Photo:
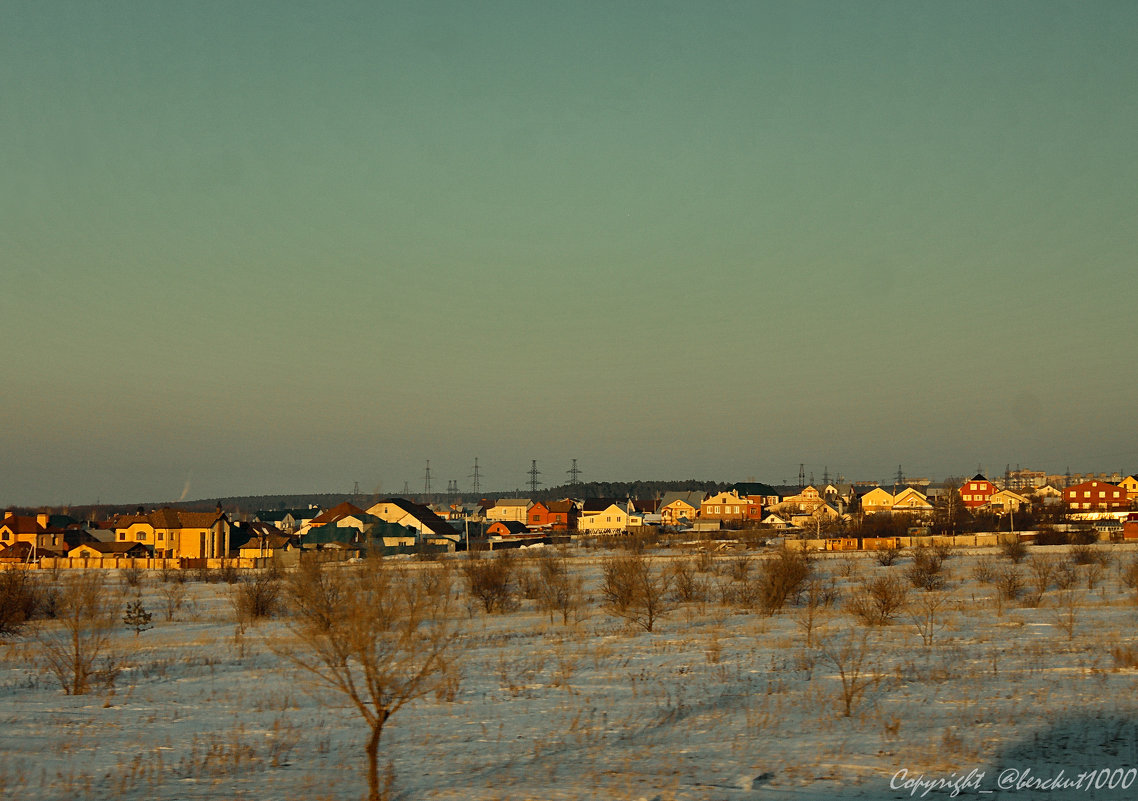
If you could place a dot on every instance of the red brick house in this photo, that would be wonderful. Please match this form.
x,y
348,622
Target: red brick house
x,y
977,491
1098,495
563,515
537,516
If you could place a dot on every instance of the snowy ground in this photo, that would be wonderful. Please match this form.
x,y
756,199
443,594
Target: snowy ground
x,y
716,703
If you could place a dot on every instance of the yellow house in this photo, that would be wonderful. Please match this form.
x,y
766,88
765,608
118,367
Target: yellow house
x,y
613,520
175,534
678,506
911,502
877,500
1130,484
1008,501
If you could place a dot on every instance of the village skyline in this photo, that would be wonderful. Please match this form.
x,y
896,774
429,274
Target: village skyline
x,y
262,247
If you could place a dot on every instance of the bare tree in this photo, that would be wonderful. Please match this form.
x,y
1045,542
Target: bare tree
x,y
634,591
877,601
378,637
557,589
848,655
926,614
817,595
78,651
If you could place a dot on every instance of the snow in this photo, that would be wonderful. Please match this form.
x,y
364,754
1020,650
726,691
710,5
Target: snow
x,y
716,703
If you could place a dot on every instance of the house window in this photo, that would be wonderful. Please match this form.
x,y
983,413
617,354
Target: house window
x,y
161,536
122,536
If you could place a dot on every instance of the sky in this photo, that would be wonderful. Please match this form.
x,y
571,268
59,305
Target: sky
x,y
278,247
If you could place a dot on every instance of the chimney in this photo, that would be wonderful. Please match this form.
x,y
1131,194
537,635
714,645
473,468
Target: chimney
x,y
42,518
9,513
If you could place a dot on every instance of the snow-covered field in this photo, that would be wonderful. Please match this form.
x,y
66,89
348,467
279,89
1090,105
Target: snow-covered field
x,y
714,703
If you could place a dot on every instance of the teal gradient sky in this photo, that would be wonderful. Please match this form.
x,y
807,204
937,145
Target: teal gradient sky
x,y
283,247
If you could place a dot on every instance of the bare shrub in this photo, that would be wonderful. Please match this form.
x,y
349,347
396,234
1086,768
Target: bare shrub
x,y
849,655
1085,554
635,592
1124,656
925,612
739,569
1014,550
1047,535
257,596
817,595
1042,571
1067,602
887,557
1009,583
20,601
491,580
377,638
944,551
925,573
781,578
173,596
1066,574
228,573
558,590
984,570
705,562
131,577
687,586
78,652
877,601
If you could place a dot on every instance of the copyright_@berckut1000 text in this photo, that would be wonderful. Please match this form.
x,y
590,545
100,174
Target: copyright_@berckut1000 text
x,y
1010,780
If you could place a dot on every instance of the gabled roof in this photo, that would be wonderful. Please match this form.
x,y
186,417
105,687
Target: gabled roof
x,y
978,477
511,526
692,498
561,507
24,550
22,524
514,502
597,504
113,548
428,518
337,512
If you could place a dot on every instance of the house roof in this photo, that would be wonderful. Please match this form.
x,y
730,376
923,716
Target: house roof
x,y
514,502
106,548
754,488
168,518
564,507
427,517
692,498
337,512
22,524
511,526
25,550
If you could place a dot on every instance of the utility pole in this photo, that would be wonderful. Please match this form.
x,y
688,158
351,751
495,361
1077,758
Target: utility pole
x,y
574,474
533,474
476,476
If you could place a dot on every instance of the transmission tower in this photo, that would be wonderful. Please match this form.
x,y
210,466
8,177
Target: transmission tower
x,y
356,490
801,477
574,474
452,491
476,476
406,490
826,474
899,479
427,482
533,474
